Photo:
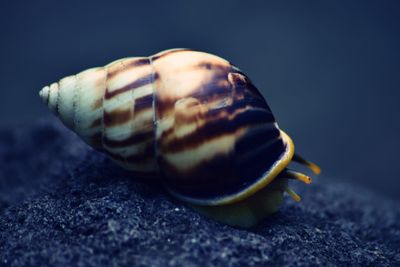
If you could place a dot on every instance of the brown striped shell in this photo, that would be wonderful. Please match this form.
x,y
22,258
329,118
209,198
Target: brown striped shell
x,y
189,117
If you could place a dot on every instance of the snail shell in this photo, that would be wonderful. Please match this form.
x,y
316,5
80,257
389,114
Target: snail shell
x,y
189,117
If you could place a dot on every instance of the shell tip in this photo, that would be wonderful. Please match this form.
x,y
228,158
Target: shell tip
x,y
44,94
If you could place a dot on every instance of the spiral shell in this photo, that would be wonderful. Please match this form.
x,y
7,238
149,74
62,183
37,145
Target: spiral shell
x,y
189,117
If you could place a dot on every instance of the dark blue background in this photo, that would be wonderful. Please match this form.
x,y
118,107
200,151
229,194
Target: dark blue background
x,y
329,70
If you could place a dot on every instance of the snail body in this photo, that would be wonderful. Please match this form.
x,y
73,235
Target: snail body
x,y
190,119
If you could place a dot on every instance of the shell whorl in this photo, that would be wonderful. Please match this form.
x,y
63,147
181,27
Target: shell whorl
x,y
111,109
190,117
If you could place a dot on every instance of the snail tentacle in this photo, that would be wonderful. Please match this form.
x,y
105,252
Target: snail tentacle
x,y
312,166
290,174
293,194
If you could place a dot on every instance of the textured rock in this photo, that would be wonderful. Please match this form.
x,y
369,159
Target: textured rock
x,y
63,204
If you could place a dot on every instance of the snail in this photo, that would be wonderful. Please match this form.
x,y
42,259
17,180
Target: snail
x,y
190,119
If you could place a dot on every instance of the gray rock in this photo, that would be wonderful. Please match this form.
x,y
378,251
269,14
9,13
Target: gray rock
x,y
63,204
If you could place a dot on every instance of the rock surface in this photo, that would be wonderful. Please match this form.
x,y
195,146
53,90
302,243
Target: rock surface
x,y
63,204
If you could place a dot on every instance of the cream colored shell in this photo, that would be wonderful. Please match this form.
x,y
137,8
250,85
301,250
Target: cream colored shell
x,y
189,117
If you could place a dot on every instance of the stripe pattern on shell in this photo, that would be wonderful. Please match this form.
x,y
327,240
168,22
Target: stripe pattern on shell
x,y
190,118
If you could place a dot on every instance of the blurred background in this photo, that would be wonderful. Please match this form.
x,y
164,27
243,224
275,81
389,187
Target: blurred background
x,y
328,69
